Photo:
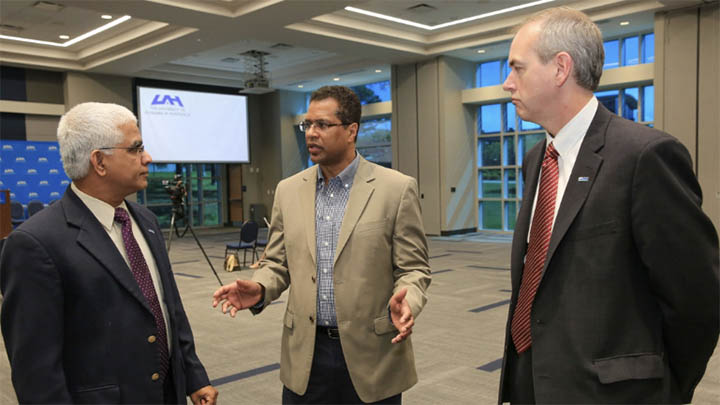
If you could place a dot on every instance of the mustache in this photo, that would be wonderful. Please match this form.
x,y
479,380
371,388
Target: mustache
x,y
311,145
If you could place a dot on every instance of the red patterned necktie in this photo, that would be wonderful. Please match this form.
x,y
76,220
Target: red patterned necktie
x,y
540,233
141,272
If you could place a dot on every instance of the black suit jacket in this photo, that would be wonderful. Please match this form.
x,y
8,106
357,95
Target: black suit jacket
x,y
75,322
627,308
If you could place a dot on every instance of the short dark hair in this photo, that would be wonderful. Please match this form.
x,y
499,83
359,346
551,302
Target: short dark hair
x,y
349,109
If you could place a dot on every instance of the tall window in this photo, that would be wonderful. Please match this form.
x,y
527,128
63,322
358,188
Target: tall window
x,y
373,92
628,51
633,103
374,141
503,139
204,193
491,73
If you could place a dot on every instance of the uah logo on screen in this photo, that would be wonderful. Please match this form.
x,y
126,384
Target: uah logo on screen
x,y
168,105
165,99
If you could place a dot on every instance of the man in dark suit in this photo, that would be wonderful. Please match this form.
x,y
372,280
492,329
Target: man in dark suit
x,y
614,264
91,312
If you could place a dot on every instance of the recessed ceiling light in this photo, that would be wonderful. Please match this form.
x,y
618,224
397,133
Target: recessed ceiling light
x,y
624,22
300,86
106,17
64,36
378,71
337,79
480,51
447,24
74,40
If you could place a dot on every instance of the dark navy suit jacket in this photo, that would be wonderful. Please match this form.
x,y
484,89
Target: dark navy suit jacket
x,y
627,307
75,322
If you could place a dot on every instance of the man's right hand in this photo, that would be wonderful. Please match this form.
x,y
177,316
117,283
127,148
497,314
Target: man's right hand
x,y
241,294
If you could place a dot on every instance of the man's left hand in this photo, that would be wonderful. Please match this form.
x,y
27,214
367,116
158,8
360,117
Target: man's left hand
x,y
206,395
401,315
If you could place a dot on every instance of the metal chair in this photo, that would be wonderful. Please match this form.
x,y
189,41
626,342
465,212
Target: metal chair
x,y
248,240
17,213
34,207
262,243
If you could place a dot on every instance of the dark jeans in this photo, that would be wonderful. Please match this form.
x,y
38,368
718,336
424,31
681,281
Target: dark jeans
x,y
329,378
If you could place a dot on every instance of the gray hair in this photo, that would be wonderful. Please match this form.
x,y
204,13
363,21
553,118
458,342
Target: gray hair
x,y
87,127
563,29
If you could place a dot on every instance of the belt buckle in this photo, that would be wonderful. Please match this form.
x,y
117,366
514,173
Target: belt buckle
x,y
333,333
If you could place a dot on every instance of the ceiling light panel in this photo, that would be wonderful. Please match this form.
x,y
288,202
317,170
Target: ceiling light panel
x,y
42,24
450,14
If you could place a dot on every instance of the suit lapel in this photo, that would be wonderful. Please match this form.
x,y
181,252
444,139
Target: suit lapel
x,y
359,195
587,166
307,206
93,238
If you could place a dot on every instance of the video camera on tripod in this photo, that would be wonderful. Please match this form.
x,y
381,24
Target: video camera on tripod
x,y
177,191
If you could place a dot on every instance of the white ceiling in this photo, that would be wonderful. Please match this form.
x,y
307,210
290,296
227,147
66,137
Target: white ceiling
x,y
309,42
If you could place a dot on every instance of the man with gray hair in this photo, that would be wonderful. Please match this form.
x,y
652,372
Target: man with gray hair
x,y
91,312
614,265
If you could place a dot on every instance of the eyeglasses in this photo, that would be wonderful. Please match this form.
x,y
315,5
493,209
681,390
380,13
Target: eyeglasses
x,y
320,125
136,150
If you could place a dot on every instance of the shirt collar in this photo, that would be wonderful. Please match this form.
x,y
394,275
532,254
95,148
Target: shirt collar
x,y
347,175
104,212
574,131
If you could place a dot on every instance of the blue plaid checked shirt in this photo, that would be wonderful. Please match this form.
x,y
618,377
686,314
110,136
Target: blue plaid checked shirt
x,y
330,203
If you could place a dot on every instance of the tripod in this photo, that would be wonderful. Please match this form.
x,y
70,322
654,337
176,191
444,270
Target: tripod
x,y
178,211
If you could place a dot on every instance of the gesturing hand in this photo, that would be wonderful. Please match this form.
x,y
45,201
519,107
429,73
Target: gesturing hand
x,y
401,315
239,295
206,395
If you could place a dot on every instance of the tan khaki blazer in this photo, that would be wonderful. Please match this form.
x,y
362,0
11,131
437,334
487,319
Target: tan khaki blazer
x,y
381,249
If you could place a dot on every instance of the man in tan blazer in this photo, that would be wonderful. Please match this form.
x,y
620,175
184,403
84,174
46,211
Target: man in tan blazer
x,y
349,235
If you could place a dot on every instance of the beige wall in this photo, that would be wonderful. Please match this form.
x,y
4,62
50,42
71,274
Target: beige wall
x,y
433,140
687,89
264,171
428,139
84,87
41,127
291,103
457,147
404,119
708,157
44,86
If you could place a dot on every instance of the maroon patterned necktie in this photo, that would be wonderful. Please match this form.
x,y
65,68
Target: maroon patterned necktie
x,y
540,233
140,270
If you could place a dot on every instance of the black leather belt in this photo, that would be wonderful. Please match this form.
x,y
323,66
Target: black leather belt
x,y
332,333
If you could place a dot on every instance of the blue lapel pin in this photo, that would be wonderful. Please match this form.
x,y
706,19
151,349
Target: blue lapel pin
x,y
583,179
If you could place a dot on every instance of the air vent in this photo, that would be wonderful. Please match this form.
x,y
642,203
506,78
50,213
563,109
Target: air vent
x,y
48,6
281,45
421,8
351,73
230,60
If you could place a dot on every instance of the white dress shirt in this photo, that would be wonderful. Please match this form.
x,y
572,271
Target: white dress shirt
x,y
567,142
105,214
